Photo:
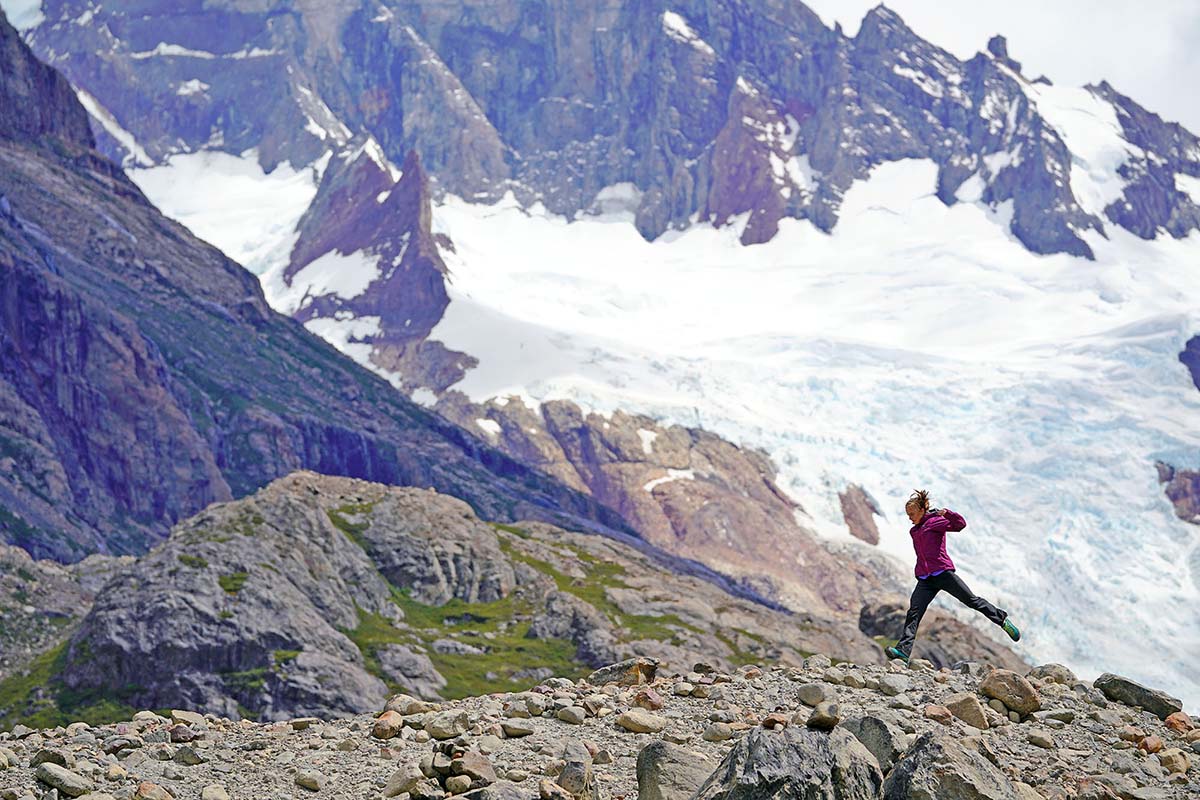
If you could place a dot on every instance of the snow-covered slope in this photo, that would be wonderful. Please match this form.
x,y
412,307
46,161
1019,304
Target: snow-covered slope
x,y
918,346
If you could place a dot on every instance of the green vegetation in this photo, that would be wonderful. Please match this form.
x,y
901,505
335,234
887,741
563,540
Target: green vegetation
x,y
195,562
284,656
233,582
24,574
37,697
245,681
352,528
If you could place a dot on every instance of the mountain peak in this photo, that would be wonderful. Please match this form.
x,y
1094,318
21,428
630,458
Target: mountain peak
x,y
36,101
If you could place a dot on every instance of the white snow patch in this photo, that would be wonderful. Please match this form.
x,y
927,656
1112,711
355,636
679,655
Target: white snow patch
x,y
672,475
191,87
619,201
23,14
347,335
489,425
678,29
424,397
346,275
647,438
1189,185
1089,127
926,84
232,203
135,155
919,344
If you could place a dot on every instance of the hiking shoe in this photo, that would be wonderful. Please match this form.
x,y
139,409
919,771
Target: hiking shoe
x,y
1013,632
894,653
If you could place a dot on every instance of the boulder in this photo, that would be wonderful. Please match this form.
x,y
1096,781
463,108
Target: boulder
x,y
884,740
1131,693
795,763
1052,673
639,720
631,672
667,771
1009,688
64,780
938,767
967,708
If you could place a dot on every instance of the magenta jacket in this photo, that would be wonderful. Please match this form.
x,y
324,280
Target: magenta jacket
x,y
929,540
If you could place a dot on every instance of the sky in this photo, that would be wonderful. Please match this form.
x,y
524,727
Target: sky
x,y
1149,50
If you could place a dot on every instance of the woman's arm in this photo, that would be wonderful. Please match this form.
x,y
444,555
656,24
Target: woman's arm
x,y
955,520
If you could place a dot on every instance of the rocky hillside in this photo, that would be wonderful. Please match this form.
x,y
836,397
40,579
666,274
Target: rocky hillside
x,y
143,376
320,595
812,730
702,109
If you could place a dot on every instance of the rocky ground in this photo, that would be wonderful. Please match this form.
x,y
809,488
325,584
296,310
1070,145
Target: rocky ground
x,y
812,731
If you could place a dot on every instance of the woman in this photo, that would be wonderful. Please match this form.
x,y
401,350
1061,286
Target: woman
x,y
935,572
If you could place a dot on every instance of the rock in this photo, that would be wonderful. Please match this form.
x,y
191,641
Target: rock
x,y
1041,739
1150,744
387,725
795,763
1052,673
648,699
190,718
1131,693
813,693
893,684
147,790
475,766
1179,722
214,792
516,728
446,724
997,705
638,720
669,772
573,715
1027,792
403,780
405,705
457,784
549,790
64,780
884,740
717,732
920,664
824,717
1130,733
1174,760
1015,692
48,756
777,719
631,672
939,714
967,708
935,763
310,779
818,661
189,756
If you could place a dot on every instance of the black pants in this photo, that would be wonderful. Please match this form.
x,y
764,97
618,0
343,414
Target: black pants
x,y
923,595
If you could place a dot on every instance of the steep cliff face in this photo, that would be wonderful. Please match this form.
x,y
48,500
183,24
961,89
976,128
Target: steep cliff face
x,y
144,375
709,109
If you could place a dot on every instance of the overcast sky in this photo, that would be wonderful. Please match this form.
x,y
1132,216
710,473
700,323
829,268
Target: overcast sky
x,y
1149,50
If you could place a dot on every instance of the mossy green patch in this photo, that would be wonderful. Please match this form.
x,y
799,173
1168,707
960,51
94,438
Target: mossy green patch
x,y
195,562
284,656
353,528
233,582
38,698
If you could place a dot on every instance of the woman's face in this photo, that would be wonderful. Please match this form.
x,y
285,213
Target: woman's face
x,y
915,513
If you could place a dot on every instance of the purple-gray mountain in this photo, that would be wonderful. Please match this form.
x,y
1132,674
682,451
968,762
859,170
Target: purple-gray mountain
x,y
143,376
710,108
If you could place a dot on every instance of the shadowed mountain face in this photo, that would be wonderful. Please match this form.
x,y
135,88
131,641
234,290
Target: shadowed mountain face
x,y
701,109
143,376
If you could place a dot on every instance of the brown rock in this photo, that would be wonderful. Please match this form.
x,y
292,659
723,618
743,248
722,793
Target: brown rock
x,y
151,791
1009,688
387,725
648,699
967,708
939,714
1179,722
475,766
859,510
1174,760
631,672
1151,744
1131,734
776,720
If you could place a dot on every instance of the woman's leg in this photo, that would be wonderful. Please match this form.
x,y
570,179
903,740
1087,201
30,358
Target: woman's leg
x,y
955,586
922,596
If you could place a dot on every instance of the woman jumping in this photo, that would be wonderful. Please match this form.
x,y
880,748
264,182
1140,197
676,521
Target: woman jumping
x,y
935,572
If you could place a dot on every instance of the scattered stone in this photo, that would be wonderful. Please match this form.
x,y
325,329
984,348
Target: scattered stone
x,y
446,724
920,664
1041,739
515,728
631,672
1174,760
310,779
638,720
190,718
776,721
1150,744
796,763
812,694
939,714
668,772
147,790
935,763
64,780
1179,722
967,708
824,717
1016,693
1052,673
457,784
884,740
717,732
573,715
1131,693
893,684
648,699
214,792
387,725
